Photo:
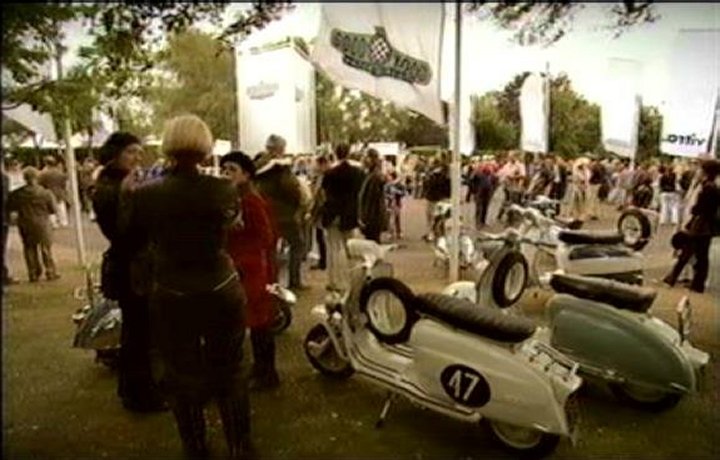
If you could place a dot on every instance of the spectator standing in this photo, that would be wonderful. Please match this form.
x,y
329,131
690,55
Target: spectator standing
x,y
580,183
33,205
120,156
282,190
597,179
53,178
7,279
700,228
251,244
198,302
395,191
322,164
372,212
339,214
484,183
669,197
436,188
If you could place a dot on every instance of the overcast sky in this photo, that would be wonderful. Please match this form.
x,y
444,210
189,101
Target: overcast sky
x,y
491,59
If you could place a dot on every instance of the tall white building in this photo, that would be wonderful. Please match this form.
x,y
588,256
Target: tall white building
x,y
276,95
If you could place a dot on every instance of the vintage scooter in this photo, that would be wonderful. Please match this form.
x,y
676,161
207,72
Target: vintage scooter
x,y
446,355
580,252
603,324
99,321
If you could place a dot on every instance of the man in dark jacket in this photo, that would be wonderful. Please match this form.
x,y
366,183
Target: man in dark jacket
x,y
373,211
339,214
54,179
436,188
7,279
279,186
34,205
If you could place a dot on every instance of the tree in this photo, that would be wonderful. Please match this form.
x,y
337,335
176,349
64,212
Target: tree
x,y
492,131
200,80
420,130
574,122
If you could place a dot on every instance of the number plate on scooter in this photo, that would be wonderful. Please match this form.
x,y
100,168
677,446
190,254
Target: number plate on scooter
x,y
465,385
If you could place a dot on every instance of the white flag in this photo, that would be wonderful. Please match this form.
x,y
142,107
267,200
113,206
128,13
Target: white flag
x,y
620,111
388,50
690,108
533,114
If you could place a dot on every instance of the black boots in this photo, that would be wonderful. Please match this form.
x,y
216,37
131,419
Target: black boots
x,y
264,375
191,425
235,415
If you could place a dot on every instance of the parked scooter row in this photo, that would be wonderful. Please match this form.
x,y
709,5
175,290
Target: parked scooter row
x,y
602,324
445,354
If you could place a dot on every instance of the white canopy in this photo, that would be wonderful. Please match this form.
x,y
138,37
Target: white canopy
x,y
39,123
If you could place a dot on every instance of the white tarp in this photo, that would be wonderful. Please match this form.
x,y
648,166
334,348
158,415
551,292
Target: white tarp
x,y
620,107
694,80
39,123
389,50
533,114
276,95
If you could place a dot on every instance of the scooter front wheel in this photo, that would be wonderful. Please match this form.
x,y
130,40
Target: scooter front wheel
x,y
323,356
283,318
645,398
527,442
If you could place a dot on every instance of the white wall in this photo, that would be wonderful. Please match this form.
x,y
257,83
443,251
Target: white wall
x,y
286,75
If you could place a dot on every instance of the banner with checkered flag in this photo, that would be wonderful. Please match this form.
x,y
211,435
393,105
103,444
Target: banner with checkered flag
x,y
388,50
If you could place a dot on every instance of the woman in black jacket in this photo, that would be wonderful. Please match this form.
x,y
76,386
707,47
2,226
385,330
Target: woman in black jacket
x,y
120,156
701,228
372,211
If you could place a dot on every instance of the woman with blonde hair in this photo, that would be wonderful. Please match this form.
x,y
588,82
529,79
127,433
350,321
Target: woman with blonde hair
x,y
197,300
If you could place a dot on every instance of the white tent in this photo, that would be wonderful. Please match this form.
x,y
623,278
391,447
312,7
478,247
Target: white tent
x,y
38,123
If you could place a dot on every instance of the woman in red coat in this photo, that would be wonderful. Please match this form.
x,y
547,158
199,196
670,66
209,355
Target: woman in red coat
x,y
251,244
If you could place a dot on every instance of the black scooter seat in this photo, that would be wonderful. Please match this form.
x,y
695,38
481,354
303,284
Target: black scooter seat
x,y
570,224
619,295
466,315
589,237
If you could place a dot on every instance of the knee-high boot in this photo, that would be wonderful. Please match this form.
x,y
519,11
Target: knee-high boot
x,y
235,415
191,425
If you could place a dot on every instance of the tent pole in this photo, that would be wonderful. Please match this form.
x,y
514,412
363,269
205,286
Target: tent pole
x,y
71,168
455,168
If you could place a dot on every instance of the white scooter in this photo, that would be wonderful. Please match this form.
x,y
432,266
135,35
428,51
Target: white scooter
x,y
577,252
446,355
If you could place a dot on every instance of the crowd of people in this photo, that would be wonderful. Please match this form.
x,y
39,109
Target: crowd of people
x,y
190,254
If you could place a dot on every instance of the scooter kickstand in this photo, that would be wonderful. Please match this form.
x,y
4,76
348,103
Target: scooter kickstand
x,y
383,413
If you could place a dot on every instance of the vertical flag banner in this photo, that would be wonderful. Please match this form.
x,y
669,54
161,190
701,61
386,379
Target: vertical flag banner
x,y
620,107
689,110
388,50
533,114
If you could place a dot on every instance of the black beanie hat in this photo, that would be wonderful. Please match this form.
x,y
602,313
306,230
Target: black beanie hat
x,y
240,159
115,144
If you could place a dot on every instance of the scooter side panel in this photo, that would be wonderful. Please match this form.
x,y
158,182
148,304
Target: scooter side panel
x,y
518,392
603,337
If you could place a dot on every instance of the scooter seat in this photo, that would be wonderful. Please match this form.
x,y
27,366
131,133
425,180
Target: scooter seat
x,y
589,237
619,295
466,315
570,224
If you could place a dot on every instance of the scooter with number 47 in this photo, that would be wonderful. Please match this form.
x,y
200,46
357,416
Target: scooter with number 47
x,y
446,355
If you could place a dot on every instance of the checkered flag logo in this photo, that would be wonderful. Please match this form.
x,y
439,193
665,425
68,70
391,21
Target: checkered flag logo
x,y
379,50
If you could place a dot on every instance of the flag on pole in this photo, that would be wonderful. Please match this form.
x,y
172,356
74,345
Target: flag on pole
x,y
689,112
620,110
388,50
533,114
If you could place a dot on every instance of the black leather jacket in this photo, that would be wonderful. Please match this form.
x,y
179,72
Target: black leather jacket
x,y
185,217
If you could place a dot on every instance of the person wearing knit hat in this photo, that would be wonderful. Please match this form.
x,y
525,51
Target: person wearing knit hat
x,y
251,244
120,156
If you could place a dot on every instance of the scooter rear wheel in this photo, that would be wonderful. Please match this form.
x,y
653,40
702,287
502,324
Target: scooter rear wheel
x,y
323,356
635,228
283,317
526,442
645,398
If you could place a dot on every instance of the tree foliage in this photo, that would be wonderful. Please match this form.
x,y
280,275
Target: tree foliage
x,y
493,131
199,79
649,133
